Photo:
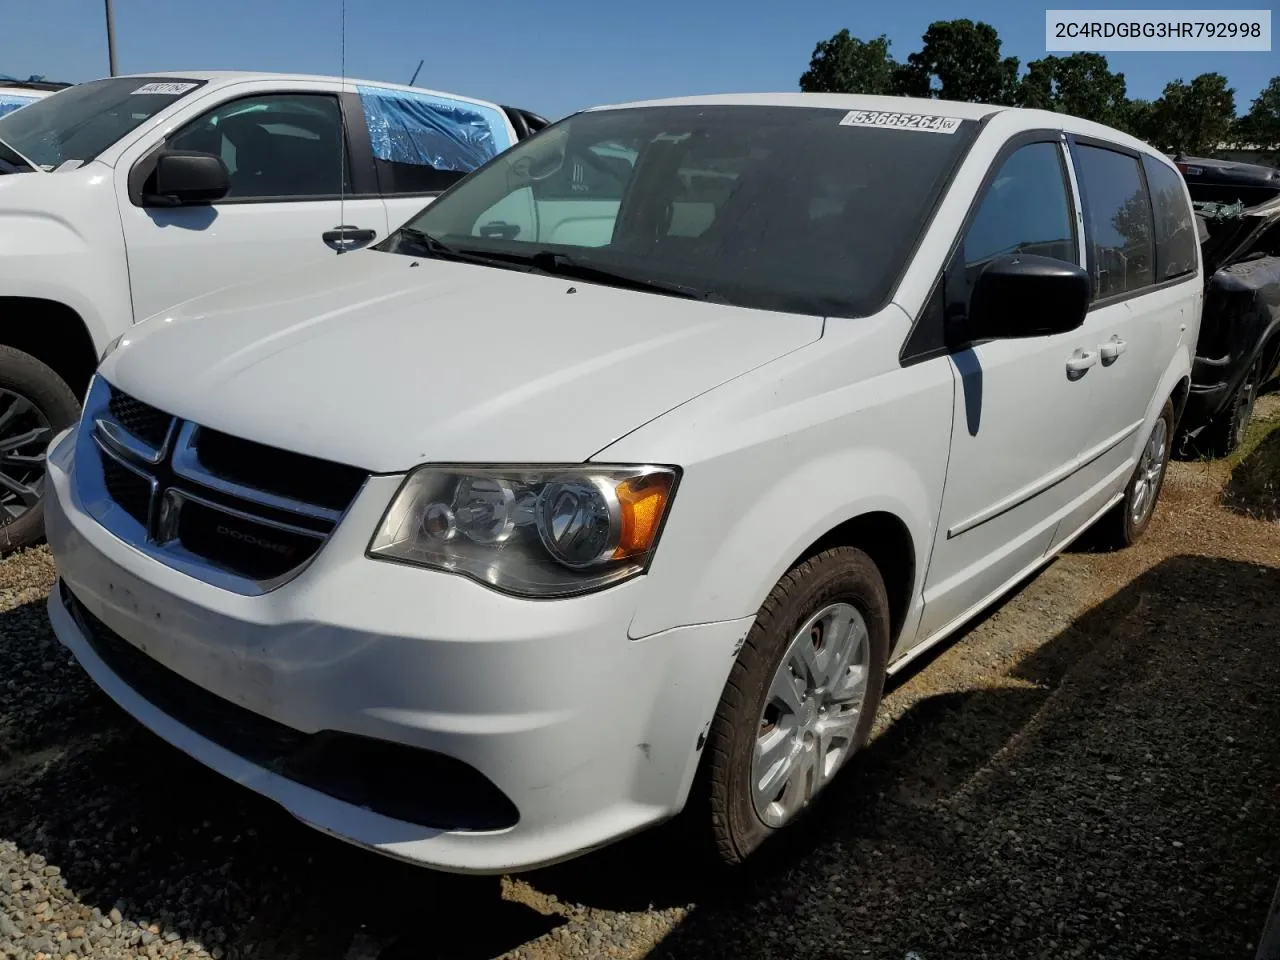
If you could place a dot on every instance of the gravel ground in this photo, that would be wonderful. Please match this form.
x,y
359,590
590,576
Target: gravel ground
x,y
1091,771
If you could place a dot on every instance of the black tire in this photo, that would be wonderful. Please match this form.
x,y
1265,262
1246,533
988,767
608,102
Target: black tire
x,y
34,402
842,574
1226,431
1118,528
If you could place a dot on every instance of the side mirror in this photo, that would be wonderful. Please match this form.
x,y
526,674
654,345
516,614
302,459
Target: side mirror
x,y
188,178
1026,296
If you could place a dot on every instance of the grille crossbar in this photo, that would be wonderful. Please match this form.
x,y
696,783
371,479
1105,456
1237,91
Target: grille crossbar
x,y
251,510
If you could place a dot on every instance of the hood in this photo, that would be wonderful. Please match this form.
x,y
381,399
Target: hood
x,y
384,362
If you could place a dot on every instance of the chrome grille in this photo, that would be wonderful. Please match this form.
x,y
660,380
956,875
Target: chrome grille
x,y
196,497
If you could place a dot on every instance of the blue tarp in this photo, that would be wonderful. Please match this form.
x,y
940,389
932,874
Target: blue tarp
x,y
432,131
10,102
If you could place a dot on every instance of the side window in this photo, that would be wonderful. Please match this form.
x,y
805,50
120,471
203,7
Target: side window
x,y
424,143
276,146
10,102
1117,211
1176,238
1026,210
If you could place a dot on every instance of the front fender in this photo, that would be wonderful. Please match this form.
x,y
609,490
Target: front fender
x,y
61,240
760,537
775,460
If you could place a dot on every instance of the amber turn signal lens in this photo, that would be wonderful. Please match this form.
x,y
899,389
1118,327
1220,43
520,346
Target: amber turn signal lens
x,y
643,501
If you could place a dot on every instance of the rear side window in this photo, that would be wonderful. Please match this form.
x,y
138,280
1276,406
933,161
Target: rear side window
x,y
1117,213
10,102
1025,210
1176,239
423,143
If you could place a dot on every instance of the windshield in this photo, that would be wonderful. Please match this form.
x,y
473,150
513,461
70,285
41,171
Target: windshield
x,y
796,209
78,123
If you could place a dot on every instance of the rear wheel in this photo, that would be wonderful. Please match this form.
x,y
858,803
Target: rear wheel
x,y
1126,524
801,697
1227,430
35,404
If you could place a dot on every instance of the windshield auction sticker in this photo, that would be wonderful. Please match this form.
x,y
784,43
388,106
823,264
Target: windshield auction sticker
x,y
168,89
1162,30
901,121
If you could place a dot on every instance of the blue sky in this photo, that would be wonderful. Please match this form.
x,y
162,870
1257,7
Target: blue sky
x,y
551,58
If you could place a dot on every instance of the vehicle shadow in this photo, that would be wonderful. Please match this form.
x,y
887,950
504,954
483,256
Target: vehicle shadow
x,y
1006,820
1254,487
1121,796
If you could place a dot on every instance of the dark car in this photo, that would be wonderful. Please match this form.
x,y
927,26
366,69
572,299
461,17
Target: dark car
x,y
1238,353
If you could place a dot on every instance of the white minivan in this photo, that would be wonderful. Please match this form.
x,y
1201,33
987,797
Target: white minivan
x,y
619,479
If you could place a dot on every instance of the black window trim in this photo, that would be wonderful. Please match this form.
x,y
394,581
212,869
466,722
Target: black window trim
x,y
1074,141
926,339
360,176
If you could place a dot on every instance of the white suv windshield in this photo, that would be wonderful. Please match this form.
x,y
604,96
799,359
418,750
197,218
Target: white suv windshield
x,y
796,209
78,123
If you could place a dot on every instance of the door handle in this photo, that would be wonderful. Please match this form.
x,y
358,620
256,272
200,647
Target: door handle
x,y
1078,363
345,237
1112,349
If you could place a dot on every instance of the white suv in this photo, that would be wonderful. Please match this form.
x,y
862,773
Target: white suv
x,y
655,443
125,196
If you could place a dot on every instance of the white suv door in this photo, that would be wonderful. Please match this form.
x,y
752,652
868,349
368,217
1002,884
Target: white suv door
x,y
291,190
1021,405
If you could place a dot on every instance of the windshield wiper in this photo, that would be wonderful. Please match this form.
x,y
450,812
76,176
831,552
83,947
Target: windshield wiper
x,y
556,264
442,251
561,265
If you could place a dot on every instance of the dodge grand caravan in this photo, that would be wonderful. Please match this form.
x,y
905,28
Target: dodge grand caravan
x,y
618,480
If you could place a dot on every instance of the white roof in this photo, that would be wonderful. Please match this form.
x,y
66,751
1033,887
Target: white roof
x,y
1031,119
835,101
223,77
9,91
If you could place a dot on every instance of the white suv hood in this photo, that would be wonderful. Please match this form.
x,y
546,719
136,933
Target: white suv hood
x,y
384,362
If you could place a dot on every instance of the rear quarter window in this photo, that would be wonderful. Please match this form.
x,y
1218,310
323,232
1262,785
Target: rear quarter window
x,y
1176,238
423,143
1117,211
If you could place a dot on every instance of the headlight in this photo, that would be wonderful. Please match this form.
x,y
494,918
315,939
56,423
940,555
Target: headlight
x,y
532,531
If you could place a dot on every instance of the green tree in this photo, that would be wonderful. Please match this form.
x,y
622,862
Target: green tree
x,y
1138,117
960,60
1260,127
845,64
1194,117
1081,84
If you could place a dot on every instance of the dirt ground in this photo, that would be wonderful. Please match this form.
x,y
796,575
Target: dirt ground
x,y
1093,770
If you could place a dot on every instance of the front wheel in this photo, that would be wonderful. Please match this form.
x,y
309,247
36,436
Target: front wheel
x,y
801,697
35,404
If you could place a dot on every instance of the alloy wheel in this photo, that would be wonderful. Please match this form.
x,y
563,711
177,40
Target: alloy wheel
x,y
810,719
24,436
1150,470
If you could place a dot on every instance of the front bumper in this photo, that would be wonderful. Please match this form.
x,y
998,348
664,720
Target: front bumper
x,y
591,735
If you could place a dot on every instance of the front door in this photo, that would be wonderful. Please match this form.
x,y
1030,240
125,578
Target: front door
x,y
290,192
1021,405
